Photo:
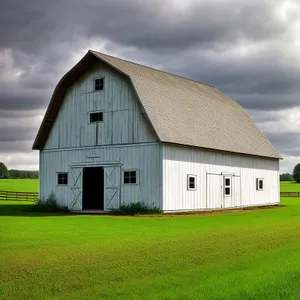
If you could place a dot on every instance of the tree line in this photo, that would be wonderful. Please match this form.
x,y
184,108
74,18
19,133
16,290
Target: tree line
x,y
292,177
23,174
17,174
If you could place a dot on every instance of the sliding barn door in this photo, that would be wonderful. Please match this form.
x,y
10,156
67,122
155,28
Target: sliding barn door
x,y
76,189
214,191
112,182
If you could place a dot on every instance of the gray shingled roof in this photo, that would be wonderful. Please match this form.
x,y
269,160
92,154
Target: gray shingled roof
x,y
181,111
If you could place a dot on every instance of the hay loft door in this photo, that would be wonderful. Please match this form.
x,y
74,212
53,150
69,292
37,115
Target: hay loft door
x,y
112,182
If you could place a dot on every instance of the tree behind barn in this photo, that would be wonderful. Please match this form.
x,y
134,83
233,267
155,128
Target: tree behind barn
x,y
286,177
296,173
3,171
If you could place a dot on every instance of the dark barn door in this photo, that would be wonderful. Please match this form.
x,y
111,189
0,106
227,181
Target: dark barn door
x,y
93,188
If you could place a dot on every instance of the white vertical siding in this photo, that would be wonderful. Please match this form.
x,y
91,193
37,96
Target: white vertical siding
x,y
146,158
123,119
178,162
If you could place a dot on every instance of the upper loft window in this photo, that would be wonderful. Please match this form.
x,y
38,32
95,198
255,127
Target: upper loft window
x,y
259,184
99,84
96,117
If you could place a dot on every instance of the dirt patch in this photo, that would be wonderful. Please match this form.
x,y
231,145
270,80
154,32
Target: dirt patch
x,y
204,212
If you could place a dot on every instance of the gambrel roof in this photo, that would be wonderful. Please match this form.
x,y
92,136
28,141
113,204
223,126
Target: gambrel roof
x,y
181,111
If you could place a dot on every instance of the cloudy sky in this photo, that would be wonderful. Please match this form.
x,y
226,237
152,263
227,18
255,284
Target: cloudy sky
x,y
248,49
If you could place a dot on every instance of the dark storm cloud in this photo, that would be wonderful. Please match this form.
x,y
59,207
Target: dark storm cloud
x,y
13,147
241,47
147,24
287,143
18,132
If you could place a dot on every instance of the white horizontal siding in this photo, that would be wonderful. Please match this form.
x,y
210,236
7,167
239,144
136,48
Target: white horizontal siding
x,y
123,119
178,162
145,158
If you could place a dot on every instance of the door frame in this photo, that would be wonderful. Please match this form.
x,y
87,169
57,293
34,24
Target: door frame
x,y
223,175
82,186
100,165
224,186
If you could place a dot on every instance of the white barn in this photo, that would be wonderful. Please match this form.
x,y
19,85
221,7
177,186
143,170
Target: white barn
x,y
117,132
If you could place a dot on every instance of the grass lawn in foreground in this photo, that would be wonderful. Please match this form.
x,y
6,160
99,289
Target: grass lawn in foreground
x,y
247,255
19,185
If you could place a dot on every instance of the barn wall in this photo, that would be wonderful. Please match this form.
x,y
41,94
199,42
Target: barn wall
x,y
123,120
146,158
178,162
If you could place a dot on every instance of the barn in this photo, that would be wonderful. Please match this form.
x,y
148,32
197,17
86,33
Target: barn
x,y
117,132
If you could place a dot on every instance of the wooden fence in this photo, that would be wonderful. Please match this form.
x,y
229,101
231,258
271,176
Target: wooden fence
x,y
33,196
289,194
22,196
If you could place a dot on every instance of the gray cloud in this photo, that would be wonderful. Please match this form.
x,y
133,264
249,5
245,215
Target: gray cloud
x,y
144,24
245,49
287,143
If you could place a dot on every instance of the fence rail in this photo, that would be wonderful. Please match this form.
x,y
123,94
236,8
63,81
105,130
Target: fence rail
x,y
289,194
22,196
33,196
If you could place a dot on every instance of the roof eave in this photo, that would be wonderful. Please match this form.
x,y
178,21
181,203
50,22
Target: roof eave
x,y
279,157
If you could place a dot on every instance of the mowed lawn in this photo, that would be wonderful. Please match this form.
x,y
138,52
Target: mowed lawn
x,y
289,186
19,185
245,255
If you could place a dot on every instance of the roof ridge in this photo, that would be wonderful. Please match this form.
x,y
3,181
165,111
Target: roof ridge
x,y
166,72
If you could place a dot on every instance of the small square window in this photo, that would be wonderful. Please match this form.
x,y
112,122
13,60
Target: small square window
x,y
191,182
227,181
99,84
259,184
130,177
227,191
96,117
62,178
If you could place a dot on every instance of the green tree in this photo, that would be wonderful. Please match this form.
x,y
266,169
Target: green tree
x,y
296,173
21,174
3,171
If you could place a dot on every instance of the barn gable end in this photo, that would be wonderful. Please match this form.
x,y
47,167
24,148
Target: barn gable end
x,y
123,119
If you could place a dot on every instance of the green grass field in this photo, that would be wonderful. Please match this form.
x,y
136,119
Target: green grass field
x,y
19,185
31,185
247,255
289,186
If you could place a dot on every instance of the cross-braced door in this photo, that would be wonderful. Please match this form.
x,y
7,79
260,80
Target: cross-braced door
x,y
76,189
112,187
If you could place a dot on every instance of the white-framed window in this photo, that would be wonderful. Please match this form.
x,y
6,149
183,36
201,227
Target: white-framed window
x,y
191,182
62,178
130,177
259,184
227,186
96,116
99,84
